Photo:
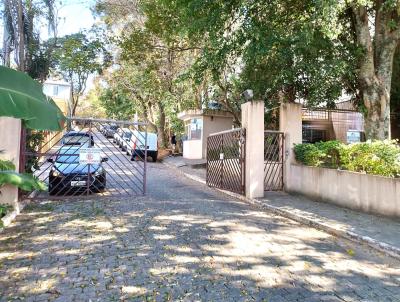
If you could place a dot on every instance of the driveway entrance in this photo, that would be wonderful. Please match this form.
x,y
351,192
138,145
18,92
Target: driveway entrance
x,y
91,158
182,242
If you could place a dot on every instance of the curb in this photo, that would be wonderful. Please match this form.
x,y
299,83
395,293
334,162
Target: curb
x,y
382,247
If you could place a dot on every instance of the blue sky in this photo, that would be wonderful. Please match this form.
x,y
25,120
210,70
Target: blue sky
x,y
74,15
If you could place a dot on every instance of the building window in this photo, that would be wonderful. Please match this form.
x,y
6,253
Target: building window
x,y
314,135
55,90
193,129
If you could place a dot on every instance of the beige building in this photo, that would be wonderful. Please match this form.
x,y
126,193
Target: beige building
x,y
199,124
60,92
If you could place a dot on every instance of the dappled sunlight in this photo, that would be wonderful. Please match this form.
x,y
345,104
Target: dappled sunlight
x,y
163,237
193,249
133,291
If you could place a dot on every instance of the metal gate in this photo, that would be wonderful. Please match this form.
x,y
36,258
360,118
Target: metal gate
x,y
273,160
90,158
226,160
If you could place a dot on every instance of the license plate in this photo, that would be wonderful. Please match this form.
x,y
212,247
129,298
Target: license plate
x,y
80,183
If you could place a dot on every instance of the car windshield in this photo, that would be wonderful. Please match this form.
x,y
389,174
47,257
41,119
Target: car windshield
x,y
76,139
68,156
127,135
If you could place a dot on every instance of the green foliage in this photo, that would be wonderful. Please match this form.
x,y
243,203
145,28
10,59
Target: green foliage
x,y
76,57
4,209
23,98
34,140
308,154
26,182
6,165
377,157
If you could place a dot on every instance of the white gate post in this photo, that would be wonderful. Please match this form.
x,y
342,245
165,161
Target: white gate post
x,y
253,122
10,139
290,123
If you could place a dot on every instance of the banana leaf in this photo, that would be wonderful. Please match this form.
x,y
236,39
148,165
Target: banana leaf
x,y
22,97
26,182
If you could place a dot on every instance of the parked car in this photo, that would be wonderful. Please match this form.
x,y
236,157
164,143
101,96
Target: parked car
x,y
75,138
137,146
119,136
126,138
110,130
67,175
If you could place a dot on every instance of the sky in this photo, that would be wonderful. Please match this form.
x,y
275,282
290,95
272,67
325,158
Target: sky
x,y
75,15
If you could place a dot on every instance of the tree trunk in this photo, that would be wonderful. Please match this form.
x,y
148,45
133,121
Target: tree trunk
x,y
161,126
21,46
375,72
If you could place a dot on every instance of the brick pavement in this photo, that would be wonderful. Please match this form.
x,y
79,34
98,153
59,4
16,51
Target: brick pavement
x,y
182,242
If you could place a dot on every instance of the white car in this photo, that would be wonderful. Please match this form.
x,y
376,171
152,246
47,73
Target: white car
x,y
136,146
126,138
117,135
121,135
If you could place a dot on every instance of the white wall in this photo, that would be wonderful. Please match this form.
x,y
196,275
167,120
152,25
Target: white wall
x,y
192,149
357,191
10,134
214,125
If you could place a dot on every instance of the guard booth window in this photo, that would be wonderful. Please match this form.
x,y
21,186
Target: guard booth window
x,y
193,129
314,135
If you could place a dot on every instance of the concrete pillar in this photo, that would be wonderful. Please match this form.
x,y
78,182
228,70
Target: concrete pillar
x,y
10,137
290,123
253,122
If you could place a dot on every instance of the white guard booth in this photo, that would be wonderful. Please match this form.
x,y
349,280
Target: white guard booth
x,y
199,124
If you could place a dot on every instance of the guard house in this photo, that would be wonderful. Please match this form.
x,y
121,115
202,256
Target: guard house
x,y
199,124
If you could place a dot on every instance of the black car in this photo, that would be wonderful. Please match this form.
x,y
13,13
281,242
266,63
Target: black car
x,y
76,138
67,175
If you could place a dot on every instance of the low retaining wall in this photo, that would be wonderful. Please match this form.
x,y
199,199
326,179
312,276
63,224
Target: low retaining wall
x,y
357,191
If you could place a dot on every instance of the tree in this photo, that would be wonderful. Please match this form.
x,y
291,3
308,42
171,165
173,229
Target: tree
x,y
375,69
280,49
151,62
20,36
77,56
310,50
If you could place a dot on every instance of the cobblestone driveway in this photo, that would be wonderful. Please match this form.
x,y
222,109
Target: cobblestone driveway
x,y
183,242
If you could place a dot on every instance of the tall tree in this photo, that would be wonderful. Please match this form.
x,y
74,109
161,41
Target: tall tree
x,y
77,56
20,36
377,30
151,60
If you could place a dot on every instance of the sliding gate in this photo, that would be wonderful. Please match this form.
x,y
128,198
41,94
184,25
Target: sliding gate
x,y
226,160
89,158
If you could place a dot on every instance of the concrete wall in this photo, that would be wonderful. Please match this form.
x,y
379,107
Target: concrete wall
x,y
367,193
213,125
10,134
192,149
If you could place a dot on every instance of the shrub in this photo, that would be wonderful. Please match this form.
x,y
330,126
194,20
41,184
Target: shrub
x,y
308,154
378,157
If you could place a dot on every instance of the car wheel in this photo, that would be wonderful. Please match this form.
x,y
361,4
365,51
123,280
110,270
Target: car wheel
x,y
132,158
154,157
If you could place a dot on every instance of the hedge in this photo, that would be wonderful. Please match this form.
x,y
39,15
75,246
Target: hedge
x,y
372,157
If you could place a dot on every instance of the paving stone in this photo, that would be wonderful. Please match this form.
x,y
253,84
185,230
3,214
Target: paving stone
x,y
183,242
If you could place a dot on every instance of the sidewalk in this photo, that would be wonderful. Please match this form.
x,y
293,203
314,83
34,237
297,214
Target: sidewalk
x,y
378,232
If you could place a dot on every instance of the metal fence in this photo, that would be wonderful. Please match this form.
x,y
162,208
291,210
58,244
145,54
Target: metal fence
x,y
226,160
273,160
91,158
